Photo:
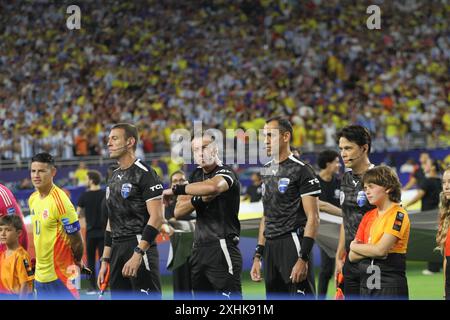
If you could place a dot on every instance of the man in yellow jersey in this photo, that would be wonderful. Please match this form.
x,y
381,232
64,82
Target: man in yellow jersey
x,y
56,232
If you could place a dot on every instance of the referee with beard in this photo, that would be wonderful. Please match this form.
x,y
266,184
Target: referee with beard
x,y
214,193
291,218
134,202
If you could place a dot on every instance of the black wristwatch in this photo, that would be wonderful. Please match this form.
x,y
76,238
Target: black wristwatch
x,y
139,250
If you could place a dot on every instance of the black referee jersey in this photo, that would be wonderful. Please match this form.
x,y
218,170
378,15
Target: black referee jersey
x,y
219,220
354,204
216,261
126,198
283,186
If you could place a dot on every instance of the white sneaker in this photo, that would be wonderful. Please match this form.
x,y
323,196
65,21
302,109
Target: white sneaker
x,y
427,272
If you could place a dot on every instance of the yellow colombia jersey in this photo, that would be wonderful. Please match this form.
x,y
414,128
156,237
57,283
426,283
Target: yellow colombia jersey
x,y
396,222
53,218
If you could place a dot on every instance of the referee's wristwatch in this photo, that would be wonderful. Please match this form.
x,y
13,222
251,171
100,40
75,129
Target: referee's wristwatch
x,y
139,250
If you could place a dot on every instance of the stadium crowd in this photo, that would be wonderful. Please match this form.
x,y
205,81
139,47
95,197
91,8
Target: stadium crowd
x,y
163,64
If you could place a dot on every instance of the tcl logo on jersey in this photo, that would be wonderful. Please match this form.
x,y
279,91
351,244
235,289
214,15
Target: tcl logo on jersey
x,y
224,171
315,180
157,187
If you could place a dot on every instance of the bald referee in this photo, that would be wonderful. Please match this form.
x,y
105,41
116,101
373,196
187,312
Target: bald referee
x,y
214,193
291,218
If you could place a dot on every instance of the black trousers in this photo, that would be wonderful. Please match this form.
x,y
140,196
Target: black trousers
x,y
216,269
280,256
92,245
182,283
352,280
326,273
147,284
434,266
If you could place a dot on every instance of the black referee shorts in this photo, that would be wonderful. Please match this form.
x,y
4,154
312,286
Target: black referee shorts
x,y
352,280
280,256
147,284
216,269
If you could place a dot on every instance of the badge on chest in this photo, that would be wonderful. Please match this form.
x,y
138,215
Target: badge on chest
x,y
283,184
126,190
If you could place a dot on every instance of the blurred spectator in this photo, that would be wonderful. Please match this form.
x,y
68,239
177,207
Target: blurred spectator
x,y
25,184
254,191
159,171
81,144
418,174
409,166
429,189
80,176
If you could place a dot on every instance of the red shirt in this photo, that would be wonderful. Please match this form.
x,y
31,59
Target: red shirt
x,y
9,206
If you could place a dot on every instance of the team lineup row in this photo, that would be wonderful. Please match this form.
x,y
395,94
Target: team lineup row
x,y
374,234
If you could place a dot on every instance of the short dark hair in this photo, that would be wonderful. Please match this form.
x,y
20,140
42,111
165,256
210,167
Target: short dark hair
x,y
176,172
386,177
283,124
12,220
326,157
356,134
95,176
44,157
130,131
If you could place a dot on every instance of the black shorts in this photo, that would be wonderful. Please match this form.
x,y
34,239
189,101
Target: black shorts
x,y
280,256
147,284
216,269
384,278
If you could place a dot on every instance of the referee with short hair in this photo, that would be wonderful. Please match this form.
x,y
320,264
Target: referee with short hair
x,y
214,193
134,201
354,144
291,218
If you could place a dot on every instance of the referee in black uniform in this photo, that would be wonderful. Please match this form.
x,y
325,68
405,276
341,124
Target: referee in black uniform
x,y
354,143
329,165
214,193
291,218
134,201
